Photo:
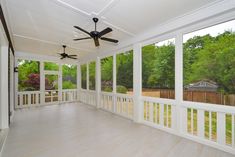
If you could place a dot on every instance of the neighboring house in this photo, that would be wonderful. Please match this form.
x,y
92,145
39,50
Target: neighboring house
x,y
203,85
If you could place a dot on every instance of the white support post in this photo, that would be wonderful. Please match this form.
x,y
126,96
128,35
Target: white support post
x,y
78,81
137,82
4,87
98,82
60,83
87,76
16,85
42,83
114,75
179,82
114,83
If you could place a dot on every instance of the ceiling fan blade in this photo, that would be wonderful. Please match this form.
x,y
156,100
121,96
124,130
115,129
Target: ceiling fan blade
x,y
82,38
72,57
96,42
105,31
82,30
62,57
109,39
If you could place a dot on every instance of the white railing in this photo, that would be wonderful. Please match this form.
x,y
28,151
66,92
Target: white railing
x,y
69,95
33,98
120,104
124,105
88,97
51,96
213,123
107,101
27,99
207,123
159,113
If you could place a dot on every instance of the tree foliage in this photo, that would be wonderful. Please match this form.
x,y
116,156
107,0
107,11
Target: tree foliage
x,y
92,67
212,58
29,76
107,74
84,75
158,66
69,73
125,69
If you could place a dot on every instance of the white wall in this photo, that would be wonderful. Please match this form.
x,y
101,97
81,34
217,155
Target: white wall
x,y
12,89
4,87
3,79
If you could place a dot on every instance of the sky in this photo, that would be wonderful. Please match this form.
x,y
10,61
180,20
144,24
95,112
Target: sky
x,y
213,31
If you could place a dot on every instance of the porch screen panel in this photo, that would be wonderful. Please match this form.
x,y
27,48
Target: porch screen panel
x,y
125,72
84,76
92,67
51,66
158,69
28,75
209,65
69,73
107,74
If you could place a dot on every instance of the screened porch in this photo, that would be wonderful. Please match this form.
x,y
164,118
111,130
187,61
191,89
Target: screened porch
x,y
117,78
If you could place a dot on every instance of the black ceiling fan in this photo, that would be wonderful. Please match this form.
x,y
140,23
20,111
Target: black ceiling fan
x,y
65,55
95,35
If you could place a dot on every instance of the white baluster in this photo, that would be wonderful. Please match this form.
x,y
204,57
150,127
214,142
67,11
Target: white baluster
x,y
221,128
200,123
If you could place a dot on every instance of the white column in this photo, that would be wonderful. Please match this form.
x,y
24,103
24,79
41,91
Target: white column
x,y
114,75
78,81
16,83
98,82
114,83
87,76
4,87
137,82
60,83
42,83
180,117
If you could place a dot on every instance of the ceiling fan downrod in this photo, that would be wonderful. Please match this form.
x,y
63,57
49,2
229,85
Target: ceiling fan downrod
x,y
64,46
95,20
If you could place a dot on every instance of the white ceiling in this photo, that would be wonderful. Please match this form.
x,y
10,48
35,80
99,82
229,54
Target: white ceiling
x,y
42,26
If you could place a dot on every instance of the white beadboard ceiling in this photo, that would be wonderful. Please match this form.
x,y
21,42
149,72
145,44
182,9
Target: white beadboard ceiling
x,y
42,26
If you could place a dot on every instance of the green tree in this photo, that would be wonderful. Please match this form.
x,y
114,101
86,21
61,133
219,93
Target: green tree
x,y
158,66
215,61
25,69
84,76
69,73
107,74
125,69
92,67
